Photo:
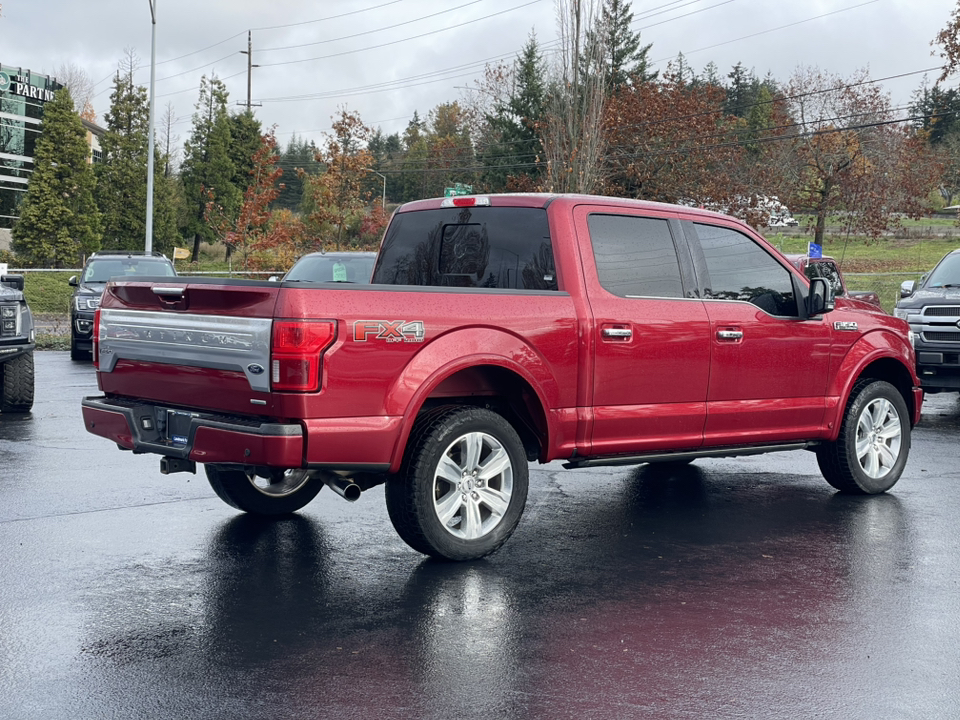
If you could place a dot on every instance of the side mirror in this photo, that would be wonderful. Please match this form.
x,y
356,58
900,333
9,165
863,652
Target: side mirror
x,y
13,281
907,288
73,281
820,299
273,278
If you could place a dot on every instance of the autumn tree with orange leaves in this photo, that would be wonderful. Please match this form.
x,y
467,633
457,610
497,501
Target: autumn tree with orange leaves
x,y
671,141
949,41
252,233
337,198
849,156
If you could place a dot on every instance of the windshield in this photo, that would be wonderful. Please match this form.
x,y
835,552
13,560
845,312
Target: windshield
x,y
946,273
333,268
104,269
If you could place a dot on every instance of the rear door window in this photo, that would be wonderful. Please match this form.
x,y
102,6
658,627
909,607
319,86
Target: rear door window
x,y
635,256
471,247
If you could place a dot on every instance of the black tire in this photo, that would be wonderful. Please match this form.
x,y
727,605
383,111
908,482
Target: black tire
x,y
282,493
18,384
876,418
481,498
76,354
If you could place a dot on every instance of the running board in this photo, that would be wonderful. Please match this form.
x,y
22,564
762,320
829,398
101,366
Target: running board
x,y
729,451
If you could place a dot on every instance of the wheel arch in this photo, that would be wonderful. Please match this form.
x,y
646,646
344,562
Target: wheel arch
x,y
446,376
869,359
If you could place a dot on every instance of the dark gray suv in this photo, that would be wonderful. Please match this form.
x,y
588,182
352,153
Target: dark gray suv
x,y
88,288
16,347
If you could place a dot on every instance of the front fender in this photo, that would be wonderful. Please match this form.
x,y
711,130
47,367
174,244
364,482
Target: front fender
x,y
873,347
460,350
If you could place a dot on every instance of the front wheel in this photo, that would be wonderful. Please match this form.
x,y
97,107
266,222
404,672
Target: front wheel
x,y
275,493
871,449
18,384
463,485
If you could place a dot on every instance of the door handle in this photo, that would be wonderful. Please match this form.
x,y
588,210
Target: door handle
x,y
619,333
729,335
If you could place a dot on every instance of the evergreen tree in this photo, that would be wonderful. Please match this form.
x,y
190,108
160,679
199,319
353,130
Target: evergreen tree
x,y
515,125
298,159
739,91
385,149
59,220
711,75
412,179
122,175
626,58
938,110
207,171
245,142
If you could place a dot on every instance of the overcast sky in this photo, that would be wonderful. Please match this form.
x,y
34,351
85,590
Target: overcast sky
x,y
387,58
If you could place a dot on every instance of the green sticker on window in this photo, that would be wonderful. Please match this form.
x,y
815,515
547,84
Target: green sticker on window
x,y
339,272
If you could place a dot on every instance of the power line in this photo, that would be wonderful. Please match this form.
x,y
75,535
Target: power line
x,y
371,32
403,40
764,32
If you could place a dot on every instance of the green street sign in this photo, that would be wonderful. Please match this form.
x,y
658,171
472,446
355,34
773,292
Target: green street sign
x,y
457,189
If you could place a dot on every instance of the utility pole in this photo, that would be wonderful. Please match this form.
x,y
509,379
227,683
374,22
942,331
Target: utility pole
x,y
148,242
250,66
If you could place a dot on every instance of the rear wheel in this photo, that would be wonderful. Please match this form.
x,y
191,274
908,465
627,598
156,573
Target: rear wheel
x,y
463,485
275,493
17,384
871,450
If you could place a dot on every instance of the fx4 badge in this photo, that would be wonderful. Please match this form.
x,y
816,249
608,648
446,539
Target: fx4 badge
x,y
847,326
391,331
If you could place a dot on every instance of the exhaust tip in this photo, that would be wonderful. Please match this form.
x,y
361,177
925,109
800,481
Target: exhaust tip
x,y
347,489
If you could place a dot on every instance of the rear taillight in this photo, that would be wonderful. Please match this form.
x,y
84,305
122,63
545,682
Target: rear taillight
x,y
95,338
297,352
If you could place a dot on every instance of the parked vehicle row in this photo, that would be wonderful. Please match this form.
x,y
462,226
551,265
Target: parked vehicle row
x,y
497,330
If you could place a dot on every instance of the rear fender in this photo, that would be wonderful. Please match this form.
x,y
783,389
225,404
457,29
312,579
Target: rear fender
x,y
881,354
462,350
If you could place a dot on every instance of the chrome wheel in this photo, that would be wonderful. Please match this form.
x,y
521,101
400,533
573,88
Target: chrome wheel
x,y
272,492
280,483
873,443
473,485
879,434
461,490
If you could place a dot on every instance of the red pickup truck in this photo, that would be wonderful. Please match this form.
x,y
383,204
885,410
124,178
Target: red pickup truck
x,y
498,330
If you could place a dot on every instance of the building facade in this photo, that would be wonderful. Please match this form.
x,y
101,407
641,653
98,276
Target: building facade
x,y
22,96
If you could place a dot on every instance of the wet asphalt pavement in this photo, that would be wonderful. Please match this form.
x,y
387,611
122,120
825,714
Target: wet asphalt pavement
x,y
741,588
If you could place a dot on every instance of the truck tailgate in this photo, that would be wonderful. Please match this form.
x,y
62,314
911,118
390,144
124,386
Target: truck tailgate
x,y
201,343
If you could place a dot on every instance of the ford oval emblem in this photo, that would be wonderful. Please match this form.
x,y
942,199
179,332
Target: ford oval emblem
x,y
255,369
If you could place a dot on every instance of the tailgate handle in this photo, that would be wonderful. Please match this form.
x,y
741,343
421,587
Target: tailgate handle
x,y
168,291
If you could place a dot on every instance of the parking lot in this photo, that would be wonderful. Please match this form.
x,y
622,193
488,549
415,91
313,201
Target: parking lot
x,y
735,588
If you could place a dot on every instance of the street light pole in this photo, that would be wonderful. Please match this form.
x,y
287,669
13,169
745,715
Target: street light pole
x,y
383,198
148,244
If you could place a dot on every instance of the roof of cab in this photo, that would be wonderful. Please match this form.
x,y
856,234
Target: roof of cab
x,y
542,200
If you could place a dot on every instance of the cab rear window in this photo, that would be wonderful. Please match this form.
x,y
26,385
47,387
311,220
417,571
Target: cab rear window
x,y
470,247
